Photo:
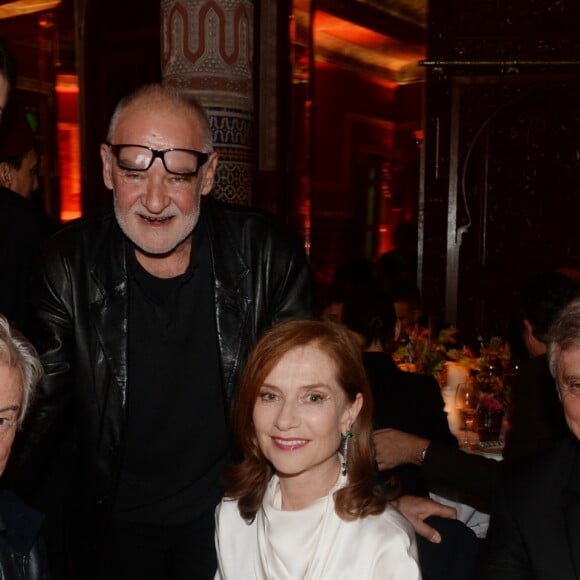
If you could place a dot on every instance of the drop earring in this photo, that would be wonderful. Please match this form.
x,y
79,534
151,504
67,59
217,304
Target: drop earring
x,y
345,439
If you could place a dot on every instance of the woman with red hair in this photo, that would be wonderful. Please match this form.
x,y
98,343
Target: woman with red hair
x,y
304,502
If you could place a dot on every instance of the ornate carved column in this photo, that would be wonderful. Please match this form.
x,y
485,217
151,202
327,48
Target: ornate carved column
x,y
207,48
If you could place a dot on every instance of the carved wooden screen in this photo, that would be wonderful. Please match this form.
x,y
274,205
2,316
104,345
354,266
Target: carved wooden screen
x,y
500,191
518,190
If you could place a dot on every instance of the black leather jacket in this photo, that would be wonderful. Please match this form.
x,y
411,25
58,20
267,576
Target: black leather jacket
x,y
261,278
22,553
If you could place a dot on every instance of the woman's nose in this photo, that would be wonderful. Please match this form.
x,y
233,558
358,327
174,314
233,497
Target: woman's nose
x,y
288,417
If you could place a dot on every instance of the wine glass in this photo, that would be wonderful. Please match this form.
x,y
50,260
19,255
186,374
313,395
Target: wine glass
x,y
466,401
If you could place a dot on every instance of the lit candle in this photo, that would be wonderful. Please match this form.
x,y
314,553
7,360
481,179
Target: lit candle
x,y
456,374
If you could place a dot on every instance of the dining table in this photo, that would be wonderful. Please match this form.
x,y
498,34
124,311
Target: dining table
x,y
474,518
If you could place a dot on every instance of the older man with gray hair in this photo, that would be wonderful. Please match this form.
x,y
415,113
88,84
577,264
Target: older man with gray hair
x,y
143,317
535,528
22,552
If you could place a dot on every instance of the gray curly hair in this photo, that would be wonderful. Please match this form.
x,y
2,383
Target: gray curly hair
x,y
18,353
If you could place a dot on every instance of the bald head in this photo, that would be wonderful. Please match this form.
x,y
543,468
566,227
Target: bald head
x,y
155,99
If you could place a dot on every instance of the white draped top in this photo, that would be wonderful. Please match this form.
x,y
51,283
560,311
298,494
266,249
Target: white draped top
x,y
312,543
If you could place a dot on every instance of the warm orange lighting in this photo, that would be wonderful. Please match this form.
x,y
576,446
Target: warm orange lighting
x,y
67,84
46,20
69,162
335,36
21,7
346,30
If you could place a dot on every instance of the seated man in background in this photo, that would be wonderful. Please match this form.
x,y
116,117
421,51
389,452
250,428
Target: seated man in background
x,y
407,301
535,526
22,554
535,415
19,158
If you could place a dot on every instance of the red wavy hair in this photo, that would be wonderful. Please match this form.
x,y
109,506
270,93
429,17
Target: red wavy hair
x,y
247,481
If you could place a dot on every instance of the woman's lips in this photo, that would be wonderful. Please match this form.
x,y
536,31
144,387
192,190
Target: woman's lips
x,y
289,444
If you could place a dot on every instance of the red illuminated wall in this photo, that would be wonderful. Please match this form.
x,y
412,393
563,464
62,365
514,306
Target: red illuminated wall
x,y
68,139
360,124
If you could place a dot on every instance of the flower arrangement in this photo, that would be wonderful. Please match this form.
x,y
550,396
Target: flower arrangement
x,y
424,354
490,401
428,355
497,352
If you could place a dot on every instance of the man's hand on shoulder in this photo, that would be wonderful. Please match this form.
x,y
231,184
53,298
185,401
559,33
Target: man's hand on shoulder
x,y
417,509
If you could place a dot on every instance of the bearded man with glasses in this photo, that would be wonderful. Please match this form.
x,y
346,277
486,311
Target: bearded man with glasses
x,y
535,528
144,319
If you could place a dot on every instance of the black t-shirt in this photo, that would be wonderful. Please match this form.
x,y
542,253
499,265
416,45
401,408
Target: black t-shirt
x,y
177,436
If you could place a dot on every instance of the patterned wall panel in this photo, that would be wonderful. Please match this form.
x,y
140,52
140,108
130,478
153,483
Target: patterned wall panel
x,y
208,50
500,174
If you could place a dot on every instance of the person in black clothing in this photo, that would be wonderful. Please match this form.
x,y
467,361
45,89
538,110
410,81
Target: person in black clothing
x,y
144,316
22,551
407,401
535,525
24,225
412,403
535,414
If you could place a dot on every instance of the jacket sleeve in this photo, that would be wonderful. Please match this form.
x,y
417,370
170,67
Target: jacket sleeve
x,y
292,292
505,556
52,334
38,563
470,474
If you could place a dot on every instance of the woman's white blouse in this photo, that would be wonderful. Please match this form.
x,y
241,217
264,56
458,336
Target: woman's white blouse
x,y
312,543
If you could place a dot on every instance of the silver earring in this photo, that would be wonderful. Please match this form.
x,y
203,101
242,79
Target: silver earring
x,y
345,439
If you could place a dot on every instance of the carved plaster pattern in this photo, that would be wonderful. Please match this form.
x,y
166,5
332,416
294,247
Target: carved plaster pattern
x,y
208,50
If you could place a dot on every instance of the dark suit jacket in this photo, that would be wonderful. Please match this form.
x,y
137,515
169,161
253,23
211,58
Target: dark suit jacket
x,y
23,229
409,402
535,527
536,417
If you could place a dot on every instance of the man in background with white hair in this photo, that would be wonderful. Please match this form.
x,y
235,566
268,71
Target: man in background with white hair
x,y
535,527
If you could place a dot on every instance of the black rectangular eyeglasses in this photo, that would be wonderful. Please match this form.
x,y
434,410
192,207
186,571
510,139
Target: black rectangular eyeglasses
x,y
140,158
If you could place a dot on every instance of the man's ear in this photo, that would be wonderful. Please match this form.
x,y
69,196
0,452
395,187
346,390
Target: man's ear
x,y
534,345
5,175
107,159
208,175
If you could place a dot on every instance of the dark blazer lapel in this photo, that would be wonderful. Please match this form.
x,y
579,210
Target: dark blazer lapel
x,y
572,511
573,526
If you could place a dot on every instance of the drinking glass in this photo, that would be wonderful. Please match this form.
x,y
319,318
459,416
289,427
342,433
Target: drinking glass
x,y
466,401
